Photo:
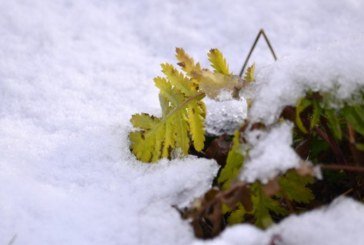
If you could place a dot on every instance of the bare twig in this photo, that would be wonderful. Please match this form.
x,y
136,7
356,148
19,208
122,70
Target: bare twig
x,y
11,242
348,168
261,32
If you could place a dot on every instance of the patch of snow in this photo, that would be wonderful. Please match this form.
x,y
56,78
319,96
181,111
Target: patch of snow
x,y
271,153
224,116
237,235
339,223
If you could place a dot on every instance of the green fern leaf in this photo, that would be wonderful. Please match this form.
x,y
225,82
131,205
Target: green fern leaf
x,y
218,62
293,187
354,115
263,205
236,216
334,123
234,163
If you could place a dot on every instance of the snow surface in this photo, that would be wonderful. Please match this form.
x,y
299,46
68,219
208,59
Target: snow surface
x,y
73,72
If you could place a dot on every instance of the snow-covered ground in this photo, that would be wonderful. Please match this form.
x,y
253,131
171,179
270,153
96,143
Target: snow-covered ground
x,y
73,72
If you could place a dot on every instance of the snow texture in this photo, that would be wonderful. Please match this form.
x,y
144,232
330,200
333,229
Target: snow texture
x,y
73,72
237,235
224,116
271,153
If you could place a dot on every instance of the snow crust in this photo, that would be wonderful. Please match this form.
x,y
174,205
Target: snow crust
x,y
73,72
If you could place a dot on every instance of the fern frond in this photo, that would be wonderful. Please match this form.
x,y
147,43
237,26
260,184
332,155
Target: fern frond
x,y
146,143
234,162
182,117
144,121
187,63
263,205
178,80
213,83
196,112
218,62
293,187
249,74
183,112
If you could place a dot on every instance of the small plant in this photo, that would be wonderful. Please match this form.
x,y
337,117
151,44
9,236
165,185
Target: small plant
x,y
325,136
183,111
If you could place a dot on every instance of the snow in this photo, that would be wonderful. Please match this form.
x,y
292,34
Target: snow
x,y
73,72
237,235
336,67
271,153
224,116
339,223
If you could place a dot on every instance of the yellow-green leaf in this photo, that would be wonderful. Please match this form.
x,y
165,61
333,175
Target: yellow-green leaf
x,y
196,112
213,83
249,74
178,80
218,62
187,63
144,121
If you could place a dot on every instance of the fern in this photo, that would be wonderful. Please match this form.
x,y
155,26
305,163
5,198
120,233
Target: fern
x,y
183,115
183,111
187,64
218,62
263,206
249,75
294,187
234,163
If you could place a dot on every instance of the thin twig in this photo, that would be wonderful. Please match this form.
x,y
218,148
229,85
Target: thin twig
x,y
348,168
11,242
347,192
261,32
